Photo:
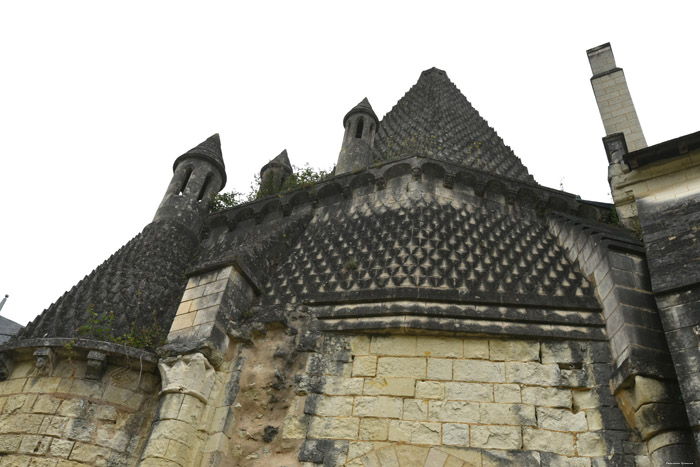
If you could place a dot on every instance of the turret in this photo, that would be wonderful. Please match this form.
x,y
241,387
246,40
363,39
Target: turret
x,y
360,127
274,174
198,175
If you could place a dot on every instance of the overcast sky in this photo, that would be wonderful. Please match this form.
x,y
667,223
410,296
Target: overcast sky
x,y
97,100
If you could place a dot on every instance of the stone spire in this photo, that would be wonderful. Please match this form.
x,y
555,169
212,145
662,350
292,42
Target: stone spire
x,y
198,175
360,127
434,119
274,173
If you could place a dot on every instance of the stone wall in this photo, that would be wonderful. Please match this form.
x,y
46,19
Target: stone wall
x,y
429,400
63,413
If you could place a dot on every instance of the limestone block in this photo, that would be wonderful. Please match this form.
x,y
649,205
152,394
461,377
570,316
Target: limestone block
x,y
515,350
584,400
479,371
61,447
470,457
88,454
46,404
476,349
561,419
9,443
389,386
393,345
187,374
506,393
329,406
294,427
375,429
548,397
411,455
430,390
402,367
436,457
339,386
386,407
440,369
426,433
124,397
33,444
400,431
364,366
496,437
455,434
334,428
533,373
591,444
387,457
454,411
548,441
507,414
439,347
469,392
415,409
359,345
54,425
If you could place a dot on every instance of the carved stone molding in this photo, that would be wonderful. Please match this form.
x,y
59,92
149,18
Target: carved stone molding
x,y
187,374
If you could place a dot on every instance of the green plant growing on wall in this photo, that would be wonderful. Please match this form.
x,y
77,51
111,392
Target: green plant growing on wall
x,y
302,178
100,326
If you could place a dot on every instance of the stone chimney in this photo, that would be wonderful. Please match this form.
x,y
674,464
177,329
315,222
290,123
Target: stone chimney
x,y
613,97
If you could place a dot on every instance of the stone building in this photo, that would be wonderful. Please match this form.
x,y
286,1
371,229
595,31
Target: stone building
x,y
428,304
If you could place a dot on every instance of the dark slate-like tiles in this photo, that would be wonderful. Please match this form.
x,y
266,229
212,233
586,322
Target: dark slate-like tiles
x,y
436,120
423,243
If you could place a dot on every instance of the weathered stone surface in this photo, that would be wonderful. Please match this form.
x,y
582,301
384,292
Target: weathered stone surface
x,y
387,407
549,397
515,350
496,437
454,411
430,390
533,373
561,419
550,441
479,371
401,367
455,434
334,428
391,386
469,392
364,366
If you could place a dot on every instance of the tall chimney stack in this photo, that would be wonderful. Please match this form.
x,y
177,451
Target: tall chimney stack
x,y
613,98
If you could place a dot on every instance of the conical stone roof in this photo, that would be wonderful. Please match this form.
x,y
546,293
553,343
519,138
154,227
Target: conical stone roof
x,y
434,119
209,150
363,106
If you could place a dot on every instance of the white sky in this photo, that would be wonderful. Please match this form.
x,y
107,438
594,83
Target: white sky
x,y
97,100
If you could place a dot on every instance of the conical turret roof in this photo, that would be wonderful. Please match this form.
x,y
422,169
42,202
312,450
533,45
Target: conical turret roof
x,y
435,119
365,107
209,150
282,160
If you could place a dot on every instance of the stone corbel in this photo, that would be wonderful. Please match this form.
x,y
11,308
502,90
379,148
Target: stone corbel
x,y
45,360
187,374
449,181
96,364
416,171
7,364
